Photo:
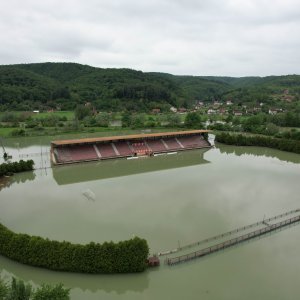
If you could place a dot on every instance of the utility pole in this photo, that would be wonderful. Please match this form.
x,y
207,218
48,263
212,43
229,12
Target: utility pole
x,y
5,155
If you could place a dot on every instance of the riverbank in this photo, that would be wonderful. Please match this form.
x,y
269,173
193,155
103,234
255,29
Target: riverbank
x,y
258,140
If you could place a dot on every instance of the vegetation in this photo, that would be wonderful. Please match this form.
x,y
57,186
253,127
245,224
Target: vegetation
x,y
263,141
64,86
18,290
16,167
122,257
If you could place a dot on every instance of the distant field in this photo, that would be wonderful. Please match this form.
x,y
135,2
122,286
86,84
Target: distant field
x,y
6,131
68,114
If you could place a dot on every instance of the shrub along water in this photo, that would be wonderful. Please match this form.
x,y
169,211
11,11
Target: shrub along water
x,y
263,141
16,167
122,257
18,290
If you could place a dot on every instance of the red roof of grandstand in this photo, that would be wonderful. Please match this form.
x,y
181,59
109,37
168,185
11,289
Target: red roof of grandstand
x,y
125,137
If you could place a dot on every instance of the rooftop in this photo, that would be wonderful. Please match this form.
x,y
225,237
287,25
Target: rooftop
x,y
125,137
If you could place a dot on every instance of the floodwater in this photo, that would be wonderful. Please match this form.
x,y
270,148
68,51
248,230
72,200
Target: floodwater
x,y
171,201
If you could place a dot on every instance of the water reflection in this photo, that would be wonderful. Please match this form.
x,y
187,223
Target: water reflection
x,y
109,283
6,182
122,167
259,151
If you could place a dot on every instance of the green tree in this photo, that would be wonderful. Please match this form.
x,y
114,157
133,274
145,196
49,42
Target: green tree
x,y
126,119
193,120
173,120
19,291
271,129
103,119
3,290
47,292
82,111
138,121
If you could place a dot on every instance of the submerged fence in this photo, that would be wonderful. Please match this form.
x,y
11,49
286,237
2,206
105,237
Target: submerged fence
x,y
235,241
198,243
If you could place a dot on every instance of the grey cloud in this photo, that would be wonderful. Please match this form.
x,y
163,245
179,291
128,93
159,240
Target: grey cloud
x,y
204,37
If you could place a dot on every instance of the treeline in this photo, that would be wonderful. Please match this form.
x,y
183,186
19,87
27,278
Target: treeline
x,y
16,167
264,124
66,85
18,290
123,257
262,141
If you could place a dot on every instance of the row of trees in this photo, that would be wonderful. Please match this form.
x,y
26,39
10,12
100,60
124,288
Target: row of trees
x,y
66,85
16,167
263,141
123,257
18,290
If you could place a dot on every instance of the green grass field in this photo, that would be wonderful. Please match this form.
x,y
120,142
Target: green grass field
x,y
68,114
5,132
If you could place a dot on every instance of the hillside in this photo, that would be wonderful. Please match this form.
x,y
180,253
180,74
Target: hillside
x,y
65,85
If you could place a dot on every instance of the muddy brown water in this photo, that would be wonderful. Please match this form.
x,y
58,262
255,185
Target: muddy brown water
x,y
168,200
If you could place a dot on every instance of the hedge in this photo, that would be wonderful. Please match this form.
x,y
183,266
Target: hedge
x,y
263,141
16,167
122,257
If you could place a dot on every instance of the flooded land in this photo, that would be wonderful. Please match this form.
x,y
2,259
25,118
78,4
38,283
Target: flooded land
x,y
170,200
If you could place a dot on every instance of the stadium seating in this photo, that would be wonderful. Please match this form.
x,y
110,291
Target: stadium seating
x,y
123,149
75,153
140,148
172,144
106,150
156,145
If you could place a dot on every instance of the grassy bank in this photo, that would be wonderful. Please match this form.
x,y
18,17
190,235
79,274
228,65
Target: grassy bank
x,y
258,140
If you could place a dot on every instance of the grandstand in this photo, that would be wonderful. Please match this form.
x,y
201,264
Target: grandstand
x,y
91,149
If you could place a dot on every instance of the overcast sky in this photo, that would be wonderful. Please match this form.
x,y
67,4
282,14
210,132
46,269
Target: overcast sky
x,y
197,37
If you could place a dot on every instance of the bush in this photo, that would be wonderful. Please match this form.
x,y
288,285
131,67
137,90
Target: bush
x,y
263,141
17,290
46,292
122,257
18,132
16,167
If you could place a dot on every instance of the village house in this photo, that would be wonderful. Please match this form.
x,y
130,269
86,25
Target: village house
x,y
223,111
182,110
274,111
211,112
156,110
238,113
173,109
217,103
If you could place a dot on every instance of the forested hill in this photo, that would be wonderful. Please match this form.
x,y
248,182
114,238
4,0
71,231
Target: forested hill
x,y
65,85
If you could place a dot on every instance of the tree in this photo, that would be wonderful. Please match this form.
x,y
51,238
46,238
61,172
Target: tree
x,y
19,291
271,129
126,119
193,120
138,121
3,290
82,111
173,120
46,292
103,119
